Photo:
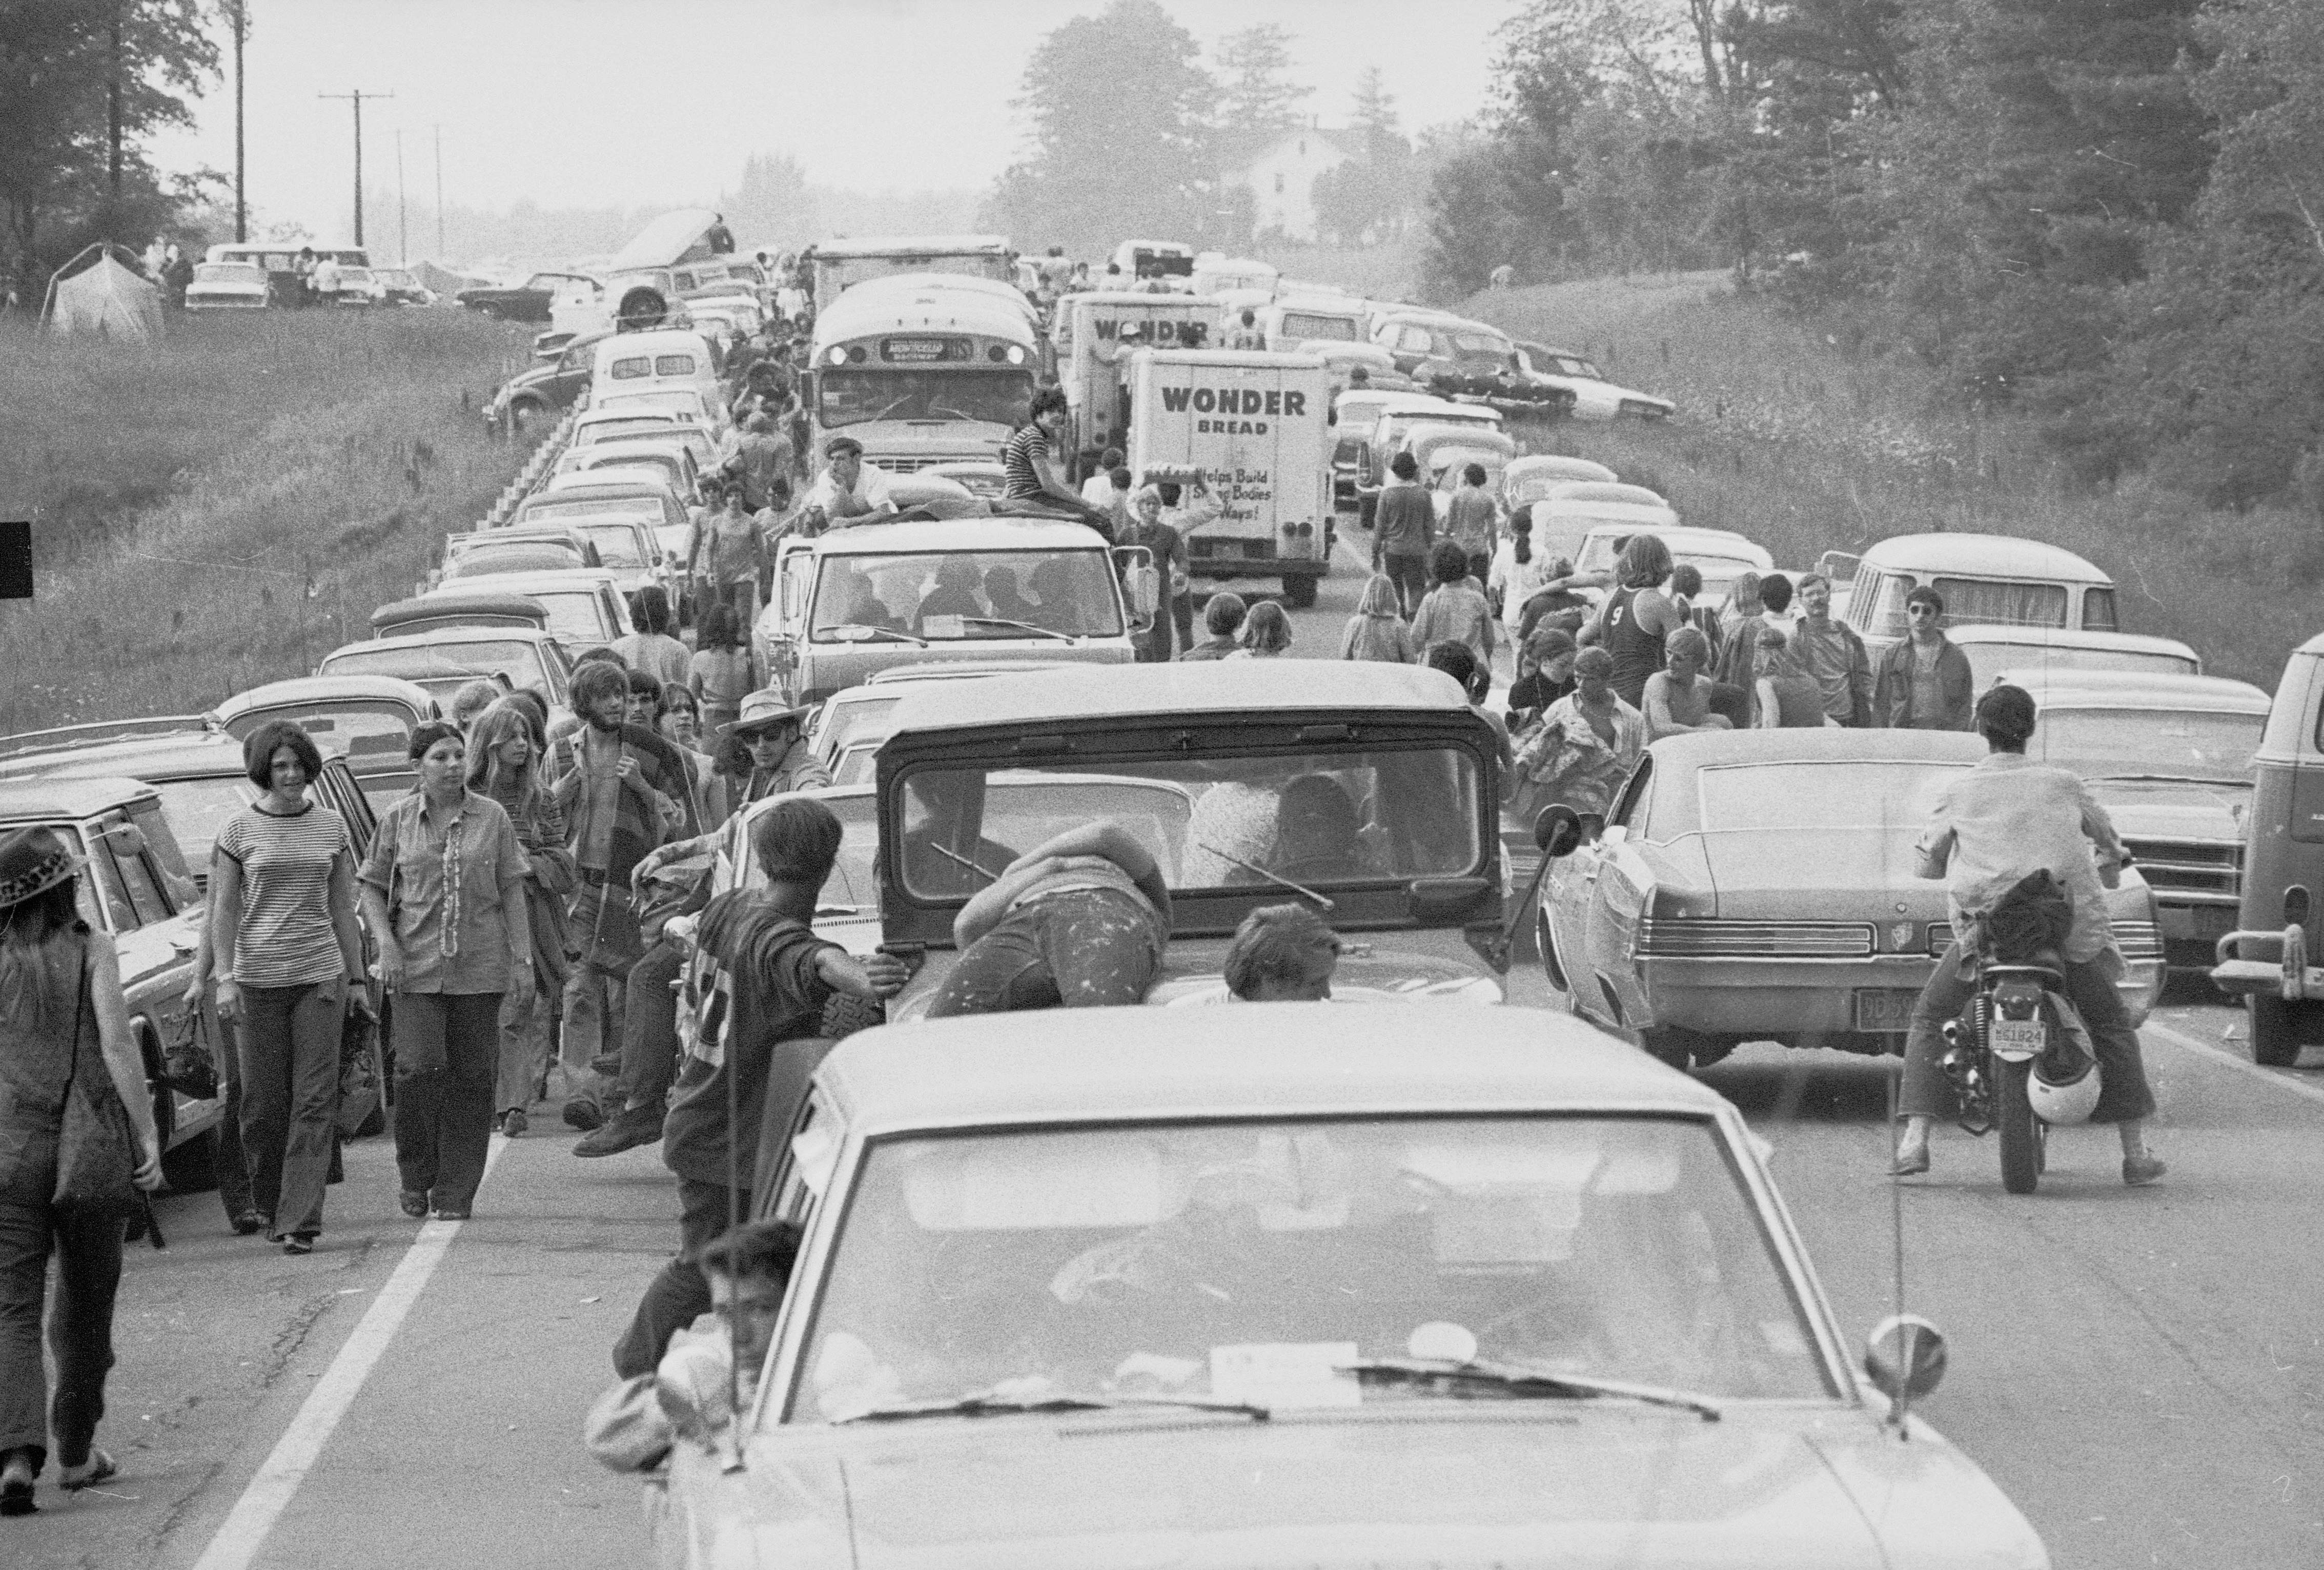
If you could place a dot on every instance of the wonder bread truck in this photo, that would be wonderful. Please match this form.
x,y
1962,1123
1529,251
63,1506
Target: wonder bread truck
x,y
1256,429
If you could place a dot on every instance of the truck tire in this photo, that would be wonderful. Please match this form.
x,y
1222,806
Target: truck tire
x,y
2013,1113
642,307
1299,593
2275,1029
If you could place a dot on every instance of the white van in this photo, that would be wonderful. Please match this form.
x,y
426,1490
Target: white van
x,y
1288,323
1996,579
666,358
1563,519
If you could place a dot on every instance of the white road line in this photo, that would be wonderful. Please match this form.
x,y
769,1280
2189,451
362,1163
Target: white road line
x,y
2243,1065
244,1532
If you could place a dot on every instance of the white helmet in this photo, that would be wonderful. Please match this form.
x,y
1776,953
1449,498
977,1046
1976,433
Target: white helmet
x,y
2069,1101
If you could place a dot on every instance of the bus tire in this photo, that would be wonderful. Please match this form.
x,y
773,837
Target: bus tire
x,y
1299,593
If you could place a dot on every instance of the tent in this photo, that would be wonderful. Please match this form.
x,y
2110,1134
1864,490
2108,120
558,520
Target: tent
x,y
440,280
107,297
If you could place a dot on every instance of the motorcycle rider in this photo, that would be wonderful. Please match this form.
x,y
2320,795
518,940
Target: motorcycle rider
x,y
1993,825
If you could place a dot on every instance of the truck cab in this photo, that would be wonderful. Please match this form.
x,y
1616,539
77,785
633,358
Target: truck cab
x,y
852,601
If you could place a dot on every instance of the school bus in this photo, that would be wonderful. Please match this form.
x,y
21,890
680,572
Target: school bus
x,y
840,265
920,377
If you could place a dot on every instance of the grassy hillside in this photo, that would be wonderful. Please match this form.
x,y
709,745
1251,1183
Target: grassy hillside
x,y
1807,441
224,507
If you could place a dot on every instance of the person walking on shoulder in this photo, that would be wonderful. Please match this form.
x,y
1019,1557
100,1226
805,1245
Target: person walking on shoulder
x,y
64,1031
1404,527
1924,682
652,649
1831,654
721,673
1378,631
282,919
505,767
1472,521
1265,633
1455,610
1223,618
444,887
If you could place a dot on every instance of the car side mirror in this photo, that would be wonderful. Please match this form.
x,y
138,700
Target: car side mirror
x,y
1905,1356
1558,831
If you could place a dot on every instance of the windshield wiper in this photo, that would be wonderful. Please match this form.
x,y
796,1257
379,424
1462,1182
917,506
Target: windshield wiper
x,y
993,1404
1278,878
1523,1382
887,632
1020,626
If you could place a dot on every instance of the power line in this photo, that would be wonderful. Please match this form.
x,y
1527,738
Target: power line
x,y
357,96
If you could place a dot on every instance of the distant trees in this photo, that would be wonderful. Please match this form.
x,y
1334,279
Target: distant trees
x,y
1255,92
1371,197
82,82
2107,213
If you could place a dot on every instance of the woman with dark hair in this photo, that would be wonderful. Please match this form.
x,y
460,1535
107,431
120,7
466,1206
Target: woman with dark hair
x,y
505,765
1636,616
282,923
1223,618
1455,609
650,647
1403,527
444,889
720,673
62,1019
678,720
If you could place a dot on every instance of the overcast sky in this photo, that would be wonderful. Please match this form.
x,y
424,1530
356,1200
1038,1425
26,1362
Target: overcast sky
x,y
594,102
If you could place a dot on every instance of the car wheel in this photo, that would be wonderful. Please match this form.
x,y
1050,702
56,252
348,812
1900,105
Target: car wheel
x,y
1299,593
192,1167
526,417
2275,1030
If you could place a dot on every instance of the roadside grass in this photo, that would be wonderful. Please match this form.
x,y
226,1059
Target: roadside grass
x,y
1389,271
1808,439
225,507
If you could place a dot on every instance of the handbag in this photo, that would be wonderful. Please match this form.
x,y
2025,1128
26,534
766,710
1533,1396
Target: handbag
x,y
96,1148
358,1072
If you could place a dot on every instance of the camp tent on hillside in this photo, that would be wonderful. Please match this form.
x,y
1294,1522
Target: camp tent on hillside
x,y
442,280
105,296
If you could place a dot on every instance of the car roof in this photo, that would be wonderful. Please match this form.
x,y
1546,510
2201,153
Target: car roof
x,y
653,340
470,633
607,416
1609,491
549,533
892,244
2137,690
614,454
1255,685
1825,744
131,756
1982,556
1253,358
2068,638
958,534
309,689
521,584
597,484
1263,1059
1683,537
69,797
935,307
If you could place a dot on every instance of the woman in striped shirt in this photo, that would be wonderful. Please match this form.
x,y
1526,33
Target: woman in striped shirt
x,y
282,914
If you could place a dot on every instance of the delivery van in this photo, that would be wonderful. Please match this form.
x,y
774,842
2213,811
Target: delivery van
x,y
1257,429
1102,332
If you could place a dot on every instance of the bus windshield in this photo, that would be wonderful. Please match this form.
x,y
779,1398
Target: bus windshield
x,y
949,596
850,397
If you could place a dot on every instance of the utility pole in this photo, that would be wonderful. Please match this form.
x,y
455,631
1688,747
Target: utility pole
x,y
440,195
402,235
358,95
241,201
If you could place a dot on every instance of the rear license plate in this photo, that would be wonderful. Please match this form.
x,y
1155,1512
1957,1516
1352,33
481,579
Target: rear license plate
x,y
2016,1037
1884,1011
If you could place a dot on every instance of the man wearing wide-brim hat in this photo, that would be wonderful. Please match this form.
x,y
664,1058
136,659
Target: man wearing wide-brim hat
x,y
772,730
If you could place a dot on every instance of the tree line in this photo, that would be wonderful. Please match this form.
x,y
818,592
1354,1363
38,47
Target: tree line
x,y
2109,214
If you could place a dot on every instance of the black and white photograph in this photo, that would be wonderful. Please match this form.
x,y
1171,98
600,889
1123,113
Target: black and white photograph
x,y
956,784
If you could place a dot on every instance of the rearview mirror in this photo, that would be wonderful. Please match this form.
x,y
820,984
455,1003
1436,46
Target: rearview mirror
x,y
1558,831
1904,1356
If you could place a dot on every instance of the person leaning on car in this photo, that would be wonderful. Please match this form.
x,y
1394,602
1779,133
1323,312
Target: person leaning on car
x,y
1924,682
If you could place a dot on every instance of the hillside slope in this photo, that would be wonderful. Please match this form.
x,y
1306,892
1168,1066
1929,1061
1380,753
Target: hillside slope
x,y
1785,435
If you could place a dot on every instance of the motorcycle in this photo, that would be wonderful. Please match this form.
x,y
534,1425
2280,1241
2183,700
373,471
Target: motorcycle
x,y
2020,1060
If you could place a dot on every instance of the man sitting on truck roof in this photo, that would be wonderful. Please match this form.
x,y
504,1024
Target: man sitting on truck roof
x,y
849,490
1026,460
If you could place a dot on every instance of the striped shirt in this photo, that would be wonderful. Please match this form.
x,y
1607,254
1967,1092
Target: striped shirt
x,y
285,939
1017,461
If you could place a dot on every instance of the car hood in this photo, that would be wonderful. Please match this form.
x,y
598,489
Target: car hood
x,y
2173,808
1774,875
936,441
1497,1485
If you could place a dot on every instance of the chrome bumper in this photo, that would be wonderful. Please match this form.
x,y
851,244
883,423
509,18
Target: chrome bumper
x,y
2288,975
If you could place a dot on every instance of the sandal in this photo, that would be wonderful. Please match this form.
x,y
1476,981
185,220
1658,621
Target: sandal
x,y
16,1486
98,1468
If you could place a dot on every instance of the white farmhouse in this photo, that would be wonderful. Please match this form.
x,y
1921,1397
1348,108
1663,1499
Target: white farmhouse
x,y
1279,170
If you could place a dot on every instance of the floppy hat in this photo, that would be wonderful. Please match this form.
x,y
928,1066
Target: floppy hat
x,y
33,861
762,709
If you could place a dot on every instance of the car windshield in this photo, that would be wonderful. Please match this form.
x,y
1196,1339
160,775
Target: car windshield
x,y
1570,365
954,596
1312,819
616,543
198,808
859,718
617,457
686,405
367,733
995,397
2170,743
645,507
1252,1260
1797,794
575,616
1299,324
635,425
1988,661
1471,346
435,665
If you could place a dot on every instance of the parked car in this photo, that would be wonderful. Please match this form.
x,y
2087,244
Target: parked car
x,y
1533,477
986,479
540,393
357,286
628,546
138,890
473,604
2270,959
574,499
1417,871
367,718
229,286
496,556
2170,758
1759,885
612,427
854,715
530,300
1720,555
1995,579
583,605
1992,650
1425,341
1594,397
686,402
1563,520
1398,424
446,657
672,459
1289,1276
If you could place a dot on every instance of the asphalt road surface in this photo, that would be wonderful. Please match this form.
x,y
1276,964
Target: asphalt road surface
x,y
2142,1371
